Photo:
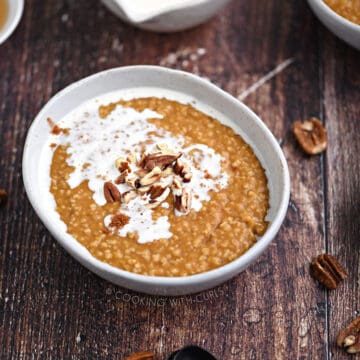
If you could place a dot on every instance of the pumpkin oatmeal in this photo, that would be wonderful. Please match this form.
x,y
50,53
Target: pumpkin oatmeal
x,y
349,9
157,187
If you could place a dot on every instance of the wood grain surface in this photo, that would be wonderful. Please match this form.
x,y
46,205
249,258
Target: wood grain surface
x,y
53,308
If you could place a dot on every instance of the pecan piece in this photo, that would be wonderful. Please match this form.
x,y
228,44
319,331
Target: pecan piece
x,y
311,135
327,271
122,165
132,181
111,192
167,172
178,167
3,197
153,203
186,176
143,190
143,355
128,196
159,160
183,202
151,177
121,178
156,190
176,186
349,338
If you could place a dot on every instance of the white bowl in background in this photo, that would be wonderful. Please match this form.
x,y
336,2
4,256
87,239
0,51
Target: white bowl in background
x,y
16,9
165,15
209,99
338,25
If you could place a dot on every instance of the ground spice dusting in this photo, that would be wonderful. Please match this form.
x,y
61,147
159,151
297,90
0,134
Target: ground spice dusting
x,y
56,130
119,220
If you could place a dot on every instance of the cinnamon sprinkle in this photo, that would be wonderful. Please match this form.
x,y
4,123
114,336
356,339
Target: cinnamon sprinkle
x,y
119,220
56,130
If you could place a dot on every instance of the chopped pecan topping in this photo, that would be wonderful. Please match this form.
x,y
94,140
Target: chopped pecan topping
x,y
143,355
141,172
159,160
122,165
133,181
143,189
111,192
176,186
153,203
311,136
187,177
156,190
144,178
121,178
119,220
327,271
167,172
3,197
128,196
178,167
349,338
151,177
183,202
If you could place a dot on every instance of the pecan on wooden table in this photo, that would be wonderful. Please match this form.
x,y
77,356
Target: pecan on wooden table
x,y
326,270
311,135
349,338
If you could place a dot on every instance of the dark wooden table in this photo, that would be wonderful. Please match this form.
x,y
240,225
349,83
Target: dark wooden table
x,y
53,308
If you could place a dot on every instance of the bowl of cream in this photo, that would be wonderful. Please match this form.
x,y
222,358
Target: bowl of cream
x,y
164,15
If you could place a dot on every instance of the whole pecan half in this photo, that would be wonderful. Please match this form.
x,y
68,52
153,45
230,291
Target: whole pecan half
x,y
311,135
349,338
111,192
3,197
143,355
327,271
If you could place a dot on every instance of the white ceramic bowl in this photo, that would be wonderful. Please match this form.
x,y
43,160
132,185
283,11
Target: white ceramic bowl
x,y
165,15
208,98
338,25
16,8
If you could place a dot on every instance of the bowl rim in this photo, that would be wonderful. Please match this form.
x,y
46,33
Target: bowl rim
x,y
232,267
8,29
334,15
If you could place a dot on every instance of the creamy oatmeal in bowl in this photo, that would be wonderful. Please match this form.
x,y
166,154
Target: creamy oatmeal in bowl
x,y
157,183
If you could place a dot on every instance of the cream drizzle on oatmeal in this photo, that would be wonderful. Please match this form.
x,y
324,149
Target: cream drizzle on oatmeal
x,y
94,144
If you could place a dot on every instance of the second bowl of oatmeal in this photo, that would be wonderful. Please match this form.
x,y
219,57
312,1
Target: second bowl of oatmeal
x,y
341,17
155,179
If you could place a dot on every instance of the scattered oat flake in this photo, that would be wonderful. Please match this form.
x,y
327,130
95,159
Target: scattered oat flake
x,y
78,338
185,58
